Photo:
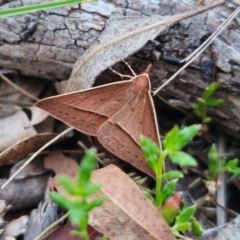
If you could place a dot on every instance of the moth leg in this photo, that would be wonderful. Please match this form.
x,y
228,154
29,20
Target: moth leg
x,y
134,74
119,74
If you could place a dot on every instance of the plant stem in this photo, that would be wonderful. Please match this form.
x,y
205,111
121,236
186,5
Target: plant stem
x,y
159,171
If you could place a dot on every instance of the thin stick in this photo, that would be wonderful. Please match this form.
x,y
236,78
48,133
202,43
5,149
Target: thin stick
x,y
213,35
206,45
39,237
221,193
34,155
18,88
8,101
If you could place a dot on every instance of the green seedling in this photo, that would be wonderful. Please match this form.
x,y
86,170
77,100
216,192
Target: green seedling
x,y
167,201
39,7
78,203
216,165
206,101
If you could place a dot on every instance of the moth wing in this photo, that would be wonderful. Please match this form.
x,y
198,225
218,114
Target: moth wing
x,y
86,122
87,110
138,117
104,100
117,141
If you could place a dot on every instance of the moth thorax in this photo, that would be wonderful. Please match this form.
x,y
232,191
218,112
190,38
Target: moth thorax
x,y
141,84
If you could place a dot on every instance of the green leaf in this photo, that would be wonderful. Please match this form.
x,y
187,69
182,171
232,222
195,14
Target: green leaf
x,y
199,112
229,165
168,190
185,215
207,120
186,134
67,184
213,162
37,7
172,175
214,102
182,159
87,166
201,101
235,171
149,196
90,189
169,140
196,105
95,203
196,227
61,200
182,227
78,216
151,151
210,90
177,139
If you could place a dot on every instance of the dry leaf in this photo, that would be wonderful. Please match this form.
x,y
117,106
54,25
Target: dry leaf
x,y
121,38
61,164
21,149
127,213
13,129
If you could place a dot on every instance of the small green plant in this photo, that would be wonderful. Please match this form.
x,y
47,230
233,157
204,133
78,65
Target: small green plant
x,y
39,7
78,201
216,165
207,100
167,201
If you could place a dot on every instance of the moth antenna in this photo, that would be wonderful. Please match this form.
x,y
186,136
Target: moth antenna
x,y
119,74
134,74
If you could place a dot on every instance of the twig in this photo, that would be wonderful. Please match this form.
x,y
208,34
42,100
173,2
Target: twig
x,y
208,41
39,237
34,155
18,88
221,193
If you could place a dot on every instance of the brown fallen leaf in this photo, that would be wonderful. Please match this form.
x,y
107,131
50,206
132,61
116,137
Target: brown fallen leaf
x,y
61,164
26,146
117,114
127,212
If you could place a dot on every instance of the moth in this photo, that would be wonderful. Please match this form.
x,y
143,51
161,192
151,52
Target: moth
x,y
117,114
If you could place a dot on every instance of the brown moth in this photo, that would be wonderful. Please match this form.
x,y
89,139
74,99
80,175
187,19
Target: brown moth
x,y
116,113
